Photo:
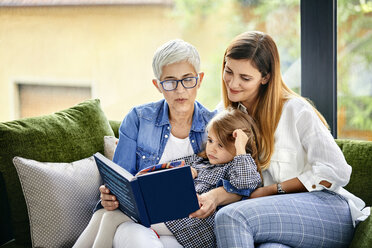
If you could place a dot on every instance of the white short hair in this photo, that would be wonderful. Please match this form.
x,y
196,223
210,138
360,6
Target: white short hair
x,y
174,51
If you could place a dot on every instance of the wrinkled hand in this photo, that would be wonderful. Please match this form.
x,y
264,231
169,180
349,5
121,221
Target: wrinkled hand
x,y
241,140
194,173
207,206
108,200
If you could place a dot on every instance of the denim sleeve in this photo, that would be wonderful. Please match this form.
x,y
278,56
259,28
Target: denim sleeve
x,y
125,153
231,189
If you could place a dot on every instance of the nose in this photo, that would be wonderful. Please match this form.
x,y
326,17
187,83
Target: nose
x,y
213,147
180,88
233,82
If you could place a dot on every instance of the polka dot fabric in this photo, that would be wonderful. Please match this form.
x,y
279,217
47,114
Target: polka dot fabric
x,y
60,198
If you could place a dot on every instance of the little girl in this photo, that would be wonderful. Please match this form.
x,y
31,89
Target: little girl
x,y
230,160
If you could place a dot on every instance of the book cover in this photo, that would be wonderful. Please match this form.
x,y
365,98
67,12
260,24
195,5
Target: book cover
x,y
153,197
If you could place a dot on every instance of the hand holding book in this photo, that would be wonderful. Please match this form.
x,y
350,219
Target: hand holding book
x,y
151,197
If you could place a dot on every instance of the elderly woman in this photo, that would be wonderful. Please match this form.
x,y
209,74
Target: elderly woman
x,y
155,133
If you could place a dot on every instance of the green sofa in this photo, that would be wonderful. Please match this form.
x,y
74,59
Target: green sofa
x,y
78,132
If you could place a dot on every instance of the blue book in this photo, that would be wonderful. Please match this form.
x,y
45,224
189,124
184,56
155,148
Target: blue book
x,y
153,197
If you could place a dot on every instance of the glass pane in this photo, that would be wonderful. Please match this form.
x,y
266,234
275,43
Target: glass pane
x,y
211,24
354,64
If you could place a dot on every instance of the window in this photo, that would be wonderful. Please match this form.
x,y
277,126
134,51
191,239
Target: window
x,y
36,99
210,25
354,66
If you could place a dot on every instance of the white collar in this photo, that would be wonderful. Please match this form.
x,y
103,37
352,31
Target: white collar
x,y
242,108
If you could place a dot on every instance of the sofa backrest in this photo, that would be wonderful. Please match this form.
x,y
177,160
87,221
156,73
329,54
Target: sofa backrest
x,y
358,154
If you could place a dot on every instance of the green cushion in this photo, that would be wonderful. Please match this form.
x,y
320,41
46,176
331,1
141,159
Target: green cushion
x,y
358,154
115,127
65,136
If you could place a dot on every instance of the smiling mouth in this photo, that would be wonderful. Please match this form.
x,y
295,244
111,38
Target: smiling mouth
x,y
234,91
181,100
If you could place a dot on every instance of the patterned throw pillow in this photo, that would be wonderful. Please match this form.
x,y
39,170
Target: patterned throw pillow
x,y
60,198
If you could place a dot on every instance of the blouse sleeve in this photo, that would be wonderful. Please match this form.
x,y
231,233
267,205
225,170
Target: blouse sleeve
x,y
242,176
325,158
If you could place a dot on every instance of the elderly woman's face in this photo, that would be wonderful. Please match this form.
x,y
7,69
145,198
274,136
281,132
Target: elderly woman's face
x,y
180,99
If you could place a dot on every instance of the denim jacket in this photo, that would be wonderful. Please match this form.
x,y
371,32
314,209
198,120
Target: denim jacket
x,y
144,132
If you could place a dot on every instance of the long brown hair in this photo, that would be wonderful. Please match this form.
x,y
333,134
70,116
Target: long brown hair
x,y
263,54
224,124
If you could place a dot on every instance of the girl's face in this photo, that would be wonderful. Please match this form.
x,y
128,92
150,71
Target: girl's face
x,y
242,81
216,152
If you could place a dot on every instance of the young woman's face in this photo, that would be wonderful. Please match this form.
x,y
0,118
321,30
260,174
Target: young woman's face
x,y
180,99
216,152
242,81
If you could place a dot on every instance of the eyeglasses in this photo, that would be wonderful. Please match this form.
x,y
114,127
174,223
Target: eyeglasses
x,y
187,83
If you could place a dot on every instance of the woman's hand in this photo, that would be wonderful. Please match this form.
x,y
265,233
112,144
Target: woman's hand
x,y
241,140
108,200
207,204
194,173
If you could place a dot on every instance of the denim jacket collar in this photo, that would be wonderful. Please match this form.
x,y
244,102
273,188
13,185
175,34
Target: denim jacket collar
x,y
198,123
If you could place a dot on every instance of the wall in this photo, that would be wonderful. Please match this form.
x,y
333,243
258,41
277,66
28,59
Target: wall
x,y
109,48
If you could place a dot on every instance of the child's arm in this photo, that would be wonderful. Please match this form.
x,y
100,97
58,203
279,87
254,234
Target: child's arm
x,y
243,174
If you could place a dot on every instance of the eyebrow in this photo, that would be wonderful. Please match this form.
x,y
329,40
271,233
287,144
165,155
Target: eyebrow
x,y
242,75
183,76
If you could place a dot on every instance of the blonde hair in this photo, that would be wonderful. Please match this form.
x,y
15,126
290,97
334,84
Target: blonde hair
x,y
224,124
263,54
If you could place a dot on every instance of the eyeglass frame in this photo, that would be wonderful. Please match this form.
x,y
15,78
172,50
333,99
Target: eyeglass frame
x,y
179,80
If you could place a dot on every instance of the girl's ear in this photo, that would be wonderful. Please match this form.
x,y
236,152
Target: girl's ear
x,y
265,79
156,84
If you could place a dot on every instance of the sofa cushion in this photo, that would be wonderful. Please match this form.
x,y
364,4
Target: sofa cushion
x,y
363,234
64,136
110,144
358,154
60,198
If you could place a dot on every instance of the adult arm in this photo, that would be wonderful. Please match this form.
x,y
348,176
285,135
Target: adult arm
x,y
293,185
211,200
326,165
125,155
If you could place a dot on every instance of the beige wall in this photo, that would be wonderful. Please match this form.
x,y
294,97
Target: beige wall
x,y
109,48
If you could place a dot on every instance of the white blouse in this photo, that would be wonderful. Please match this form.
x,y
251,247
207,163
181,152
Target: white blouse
x,y
304,148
